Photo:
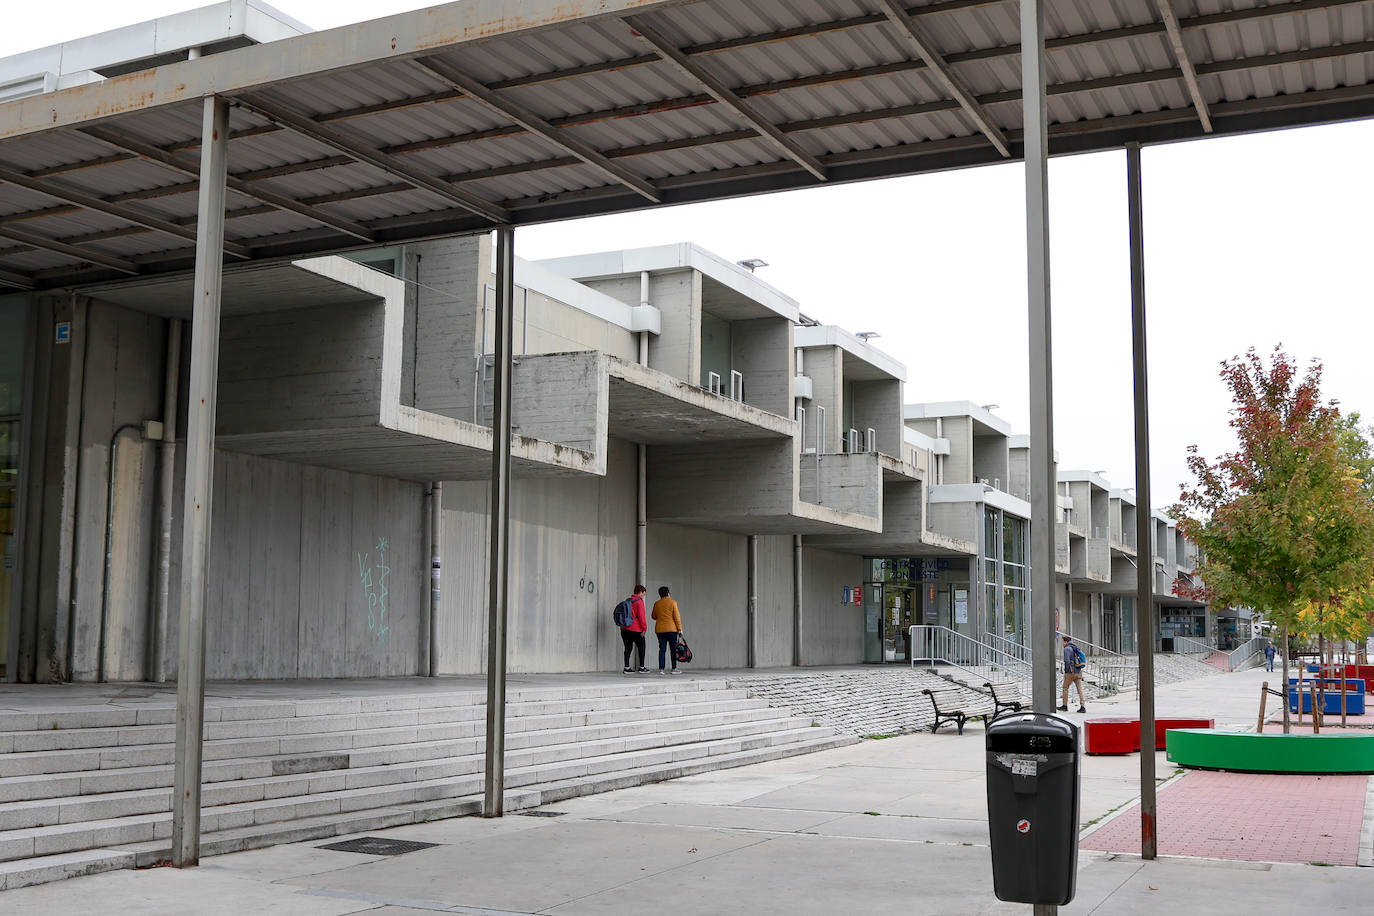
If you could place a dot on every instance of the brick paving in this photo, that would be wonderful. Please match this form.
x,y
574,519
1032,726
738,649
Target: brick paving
x,y
1252,817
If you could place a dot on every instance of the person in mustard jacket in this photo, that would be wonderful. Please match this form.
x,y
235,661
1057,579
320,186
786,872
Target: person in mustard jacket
x,y
668,626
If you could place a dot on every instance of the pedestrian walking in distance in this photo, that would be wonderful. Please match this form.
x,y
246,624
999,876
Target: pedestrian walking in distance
x,y
1269,652
668,626
632,634
1074,662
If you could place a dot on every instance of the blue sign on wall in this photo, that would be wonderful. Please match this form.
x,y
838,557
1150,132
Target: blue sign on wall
x,y
62,332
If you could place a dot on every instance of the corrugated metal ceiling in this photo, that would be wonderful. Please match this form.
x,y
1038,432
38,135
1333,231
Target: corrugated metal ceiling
x,y
838,79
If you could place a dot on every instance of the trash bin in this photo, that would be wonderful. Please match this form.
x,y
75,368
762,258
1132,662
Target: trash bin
x,y
1032,761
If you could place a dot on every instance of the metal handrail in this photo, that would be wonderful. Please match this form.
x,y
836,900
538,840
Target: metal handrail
x,y
1009,646
1187,645
1101,664
950,647
1245,651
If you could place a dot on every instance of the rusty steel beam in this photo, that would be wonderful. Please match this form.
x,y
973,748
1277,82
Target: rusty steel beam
x,y
128,214
341,142
1175,33
17,279
177,163
923,42
508,108
71,251
746,112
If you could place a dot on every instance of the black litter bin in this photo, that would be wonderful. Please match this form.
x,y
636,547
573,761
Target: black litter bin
x,y
1032,763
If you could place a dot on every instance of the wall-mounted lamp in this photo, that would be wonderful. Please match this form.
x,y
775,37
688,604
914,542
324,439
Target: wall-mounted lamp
x,y
867,335
752,264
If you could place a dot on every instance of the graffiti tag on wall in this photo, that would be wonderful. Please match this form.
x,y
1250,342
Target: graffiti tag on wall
x,y
373,577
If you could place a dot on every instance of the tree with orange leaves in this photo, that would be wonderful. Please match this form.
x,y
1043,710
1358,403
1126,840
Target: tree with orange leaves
x,y
1286,522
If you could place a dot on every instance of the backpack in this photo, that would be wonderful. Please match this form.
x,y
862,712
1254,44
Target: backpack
x,y
624,613
1079,659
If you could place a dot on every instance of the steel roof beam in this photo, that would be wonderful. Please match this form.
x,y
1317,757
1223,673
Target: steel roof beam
x,y
127,214
533,123
177,163
673,56
341,142
20,280
1274,10
917,36
71,251
1166,12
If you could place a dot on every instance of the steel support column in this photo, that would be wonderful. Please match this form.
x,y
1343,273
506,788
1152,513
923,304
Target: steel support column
x,y
200,462
1144,523
1042,480
500,525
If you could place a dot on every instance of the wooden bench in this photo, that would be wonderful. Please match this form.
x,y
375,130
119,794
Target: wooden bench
x,y
1005,695
953,701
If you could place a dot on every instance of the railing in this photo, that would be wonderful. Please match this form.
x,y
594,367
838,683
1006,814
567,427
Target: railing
x,y
1187,645
1245,651
949,647
1011,647
1111,670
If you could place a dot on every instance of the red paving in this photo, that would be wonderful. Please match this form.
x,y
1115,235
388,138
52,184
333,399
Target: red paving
x,y
1254,817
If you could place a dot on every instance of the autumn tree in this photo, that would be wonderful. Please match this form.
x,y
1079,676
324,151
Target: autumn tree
x,y
1285,522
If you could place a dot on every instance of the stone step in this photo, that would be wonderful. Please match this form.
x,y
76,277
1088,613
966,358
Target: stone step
x,y
334,773
519,717
126,843
524,701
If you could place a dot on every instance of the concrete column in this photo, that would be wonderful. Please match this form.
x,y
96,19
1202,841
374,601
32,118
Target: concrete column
x,y
166,496
493,800
200,463
797,583
1144,576
436,528
751,611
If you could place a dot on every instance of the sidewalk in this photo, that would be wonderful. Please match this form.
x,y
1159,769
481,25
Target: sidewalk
x,y
895,825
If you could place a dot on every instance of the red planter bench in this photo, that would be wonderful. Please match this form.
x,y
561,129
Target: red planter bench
x,y
1122,735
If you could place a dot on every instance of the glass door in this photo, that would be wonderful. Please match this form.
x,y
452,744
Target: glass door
x,y
873,623
899,616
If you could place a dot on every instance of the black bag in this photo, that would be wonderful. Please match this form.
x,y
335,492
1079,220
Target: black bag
x,y
682,652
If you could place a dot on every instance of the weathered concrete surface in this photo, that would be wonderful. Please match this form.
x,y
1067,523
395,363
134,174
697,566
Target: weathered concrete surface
x,y
802,835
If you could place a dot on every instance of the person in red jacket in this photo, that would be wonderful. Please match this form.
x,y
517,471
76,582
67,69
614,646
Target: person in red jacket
x,y
633,635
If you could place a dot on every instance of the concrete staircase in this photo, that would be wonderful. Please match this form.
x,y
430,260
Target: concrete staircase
x,y
88,789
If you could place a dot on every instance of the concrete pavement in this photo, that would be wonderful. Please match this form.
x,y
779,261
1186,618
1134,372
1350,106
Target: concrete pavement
x,y
894,825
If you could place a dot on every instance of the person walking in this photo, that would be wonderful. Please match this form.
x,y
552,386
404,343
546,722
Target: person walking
x,y
1073,674
1269,652
633,634
668,626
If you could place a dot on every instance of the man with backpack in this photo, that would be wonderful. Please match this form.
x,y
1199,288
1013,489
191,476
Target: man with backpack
x,y
630,617
1074,663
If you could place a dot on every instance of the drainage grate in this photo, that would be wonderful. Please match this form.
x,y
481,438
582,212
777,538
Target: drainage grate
x,y
378,846
543,813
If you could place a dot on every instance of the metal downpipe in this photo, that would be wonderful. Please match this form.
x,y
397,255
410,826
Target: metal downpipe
x,y
751,615
796,600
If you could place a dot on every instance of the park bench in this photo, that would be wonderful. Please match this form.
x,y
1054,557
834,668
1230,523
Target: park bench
x,y
1005,695
950,706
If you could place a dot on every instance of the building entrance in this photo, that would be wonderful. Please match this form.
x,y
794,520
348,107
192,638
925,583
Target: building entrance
x,y
889,613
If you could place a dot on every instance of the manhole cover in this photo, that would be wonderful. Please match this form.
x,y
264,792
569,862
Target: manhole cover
x,y
543,813
377,846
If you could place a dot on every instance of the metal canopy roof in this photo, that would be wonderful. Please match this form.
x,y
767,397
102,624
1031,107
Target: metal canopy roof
x,y
473,114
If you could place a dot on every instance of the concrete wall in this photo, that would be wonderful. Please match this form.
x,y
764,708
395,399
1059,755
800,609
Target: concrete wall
x,y
316,368
774,609
763,352
452,274
879,405
572,558
123,385
707,572
832,632
545,325
692,482
991,460
677,296
959,520
824,366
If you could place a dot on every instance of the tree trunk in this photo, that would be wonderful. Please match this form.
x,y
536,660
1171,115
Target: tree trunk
x,y
1287,725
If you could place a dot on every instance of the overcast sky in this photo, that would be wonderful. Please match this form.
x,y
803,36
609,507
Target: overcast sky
x,y
1251,241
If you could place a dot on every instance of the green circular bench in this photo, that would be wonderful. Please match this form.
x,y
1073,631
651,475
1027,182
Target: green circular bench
x,y
1246,752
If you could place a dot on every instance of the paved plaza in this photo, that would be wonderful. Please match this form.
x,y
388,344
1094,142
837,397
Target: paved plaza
x,y
895,825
